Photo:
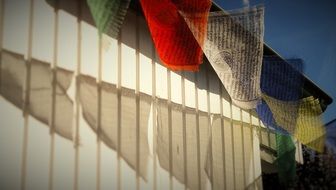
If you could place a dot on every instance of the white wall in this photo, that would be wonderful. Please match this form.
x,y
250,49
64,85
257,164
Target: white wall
x,y
165,84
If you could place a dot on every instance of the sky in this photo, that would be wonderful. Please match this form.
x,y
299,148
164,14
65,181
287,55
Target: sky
x,y
302,29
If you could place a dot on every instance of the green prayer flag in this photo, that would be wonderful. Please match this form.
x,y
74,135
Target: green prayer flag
x,y
286,159
108,15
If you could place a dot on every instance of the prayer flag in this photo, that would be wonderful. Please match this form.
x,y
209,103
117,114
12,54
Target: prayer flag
x,y
175,43
301,119
286,159
108,14
233,45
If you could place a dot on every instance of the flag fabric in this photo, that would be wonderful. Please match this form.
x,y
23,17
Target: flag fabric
x,y
266,116
176,45
282,108
310,130
280,80
285,160
108,15
195,14
40,102
233,45
285,113
111,106
301,119
196,145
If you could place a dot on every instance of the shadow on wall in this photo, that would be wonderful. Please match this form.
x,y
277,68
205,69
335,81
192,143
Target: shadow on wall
x,y
125,129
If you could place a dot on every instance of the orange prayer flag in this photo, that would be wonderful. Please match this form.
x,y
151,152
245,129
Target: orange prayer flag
x,y
175,43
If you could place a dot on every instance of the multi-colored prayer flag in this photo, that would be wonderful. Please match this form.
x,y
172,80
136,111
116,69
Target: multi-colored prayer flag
x,y
282,108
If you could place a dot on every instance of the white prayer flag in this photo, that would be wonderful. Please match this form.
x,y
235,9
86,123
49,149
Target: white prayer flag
x,y
234,47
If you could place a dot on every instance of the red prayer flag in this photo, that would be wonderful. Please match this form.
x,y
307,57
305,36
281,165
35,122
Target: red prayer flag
x,y
175,43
